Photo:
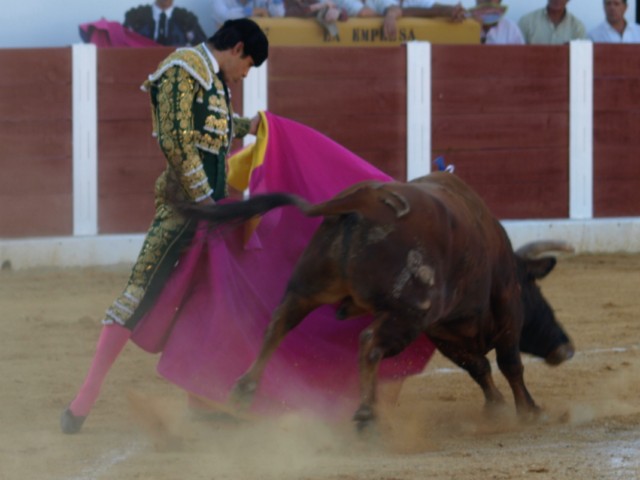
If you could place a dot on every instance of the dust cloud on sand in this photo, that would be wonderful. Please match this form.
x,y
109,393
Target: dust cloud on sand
x,y
140,428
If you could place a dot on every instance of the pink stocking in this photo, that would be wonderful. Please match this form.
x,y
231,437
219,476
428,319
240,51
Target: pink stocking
x,y
112,339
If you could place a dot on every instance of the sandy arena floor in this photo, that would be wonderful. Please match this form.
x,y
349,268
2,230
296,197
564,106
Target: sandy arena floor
x,y
590,430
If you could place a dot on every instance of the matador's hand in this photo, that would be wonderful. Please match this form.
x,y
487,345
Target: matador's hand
x,y
255,123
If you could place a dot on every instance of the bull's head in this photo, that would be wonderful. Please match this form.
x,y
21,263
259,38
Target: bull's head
x,y
542,334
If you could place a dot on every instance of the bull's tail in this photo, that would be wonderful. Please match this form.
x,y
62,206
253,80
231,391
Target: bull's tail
x,y
361,197
357,198
238,212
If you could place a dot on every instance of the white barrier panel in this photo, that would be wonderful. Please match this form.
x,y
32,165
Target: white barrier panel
x,y
85,139
418,109
581,129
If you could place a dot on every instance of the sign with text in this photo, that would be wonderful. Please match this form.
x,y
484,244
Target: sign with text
x,y
367,32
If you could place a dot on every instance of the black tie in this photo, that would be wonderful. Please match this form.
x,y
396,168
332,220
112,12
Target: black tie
x,y
162,29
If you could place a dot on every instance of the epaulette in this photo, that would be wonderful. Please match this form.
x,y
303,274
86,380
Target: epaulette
x,y
189,59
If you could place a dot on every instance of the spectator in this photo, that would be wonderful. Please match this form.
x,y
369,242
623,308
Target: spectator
x,y
431,9
166,24
224,10
310,8
495,28
393,10
389,9
551,25
325,11
615,29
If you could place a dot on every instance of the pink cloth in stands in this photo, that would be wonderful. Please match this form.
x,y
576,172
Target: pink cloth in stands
x,y
105,33
210,319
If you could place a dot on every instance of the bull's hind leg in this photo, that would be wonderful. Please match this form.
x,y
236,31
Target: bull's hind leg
x,y
385,337
369,357
291,311
508,311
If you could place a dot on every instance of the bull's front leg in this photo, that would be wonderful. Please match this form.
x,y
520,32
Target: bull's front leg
x,y
478,367
369,357
510,364
287,316
508,311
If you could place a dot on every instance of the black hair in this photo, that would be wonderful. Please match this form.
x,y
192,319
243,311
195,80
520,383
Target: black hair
x,y
246,31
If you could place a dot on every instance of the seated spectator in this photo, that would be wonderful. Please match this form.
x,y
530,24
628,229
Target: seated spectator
x,y
389,9
419,8
310,8
325,11
495,28
166,24
551,25
392,10
328,11
431,9
615,29
224,10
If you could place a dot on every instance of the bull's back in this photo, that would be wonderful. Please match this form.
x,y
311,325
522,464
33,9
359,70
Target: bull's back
x,y
465,204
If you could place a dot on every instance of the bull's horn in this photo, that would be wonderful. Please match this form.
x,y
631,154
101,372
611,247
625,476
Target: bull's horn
x,y
536,249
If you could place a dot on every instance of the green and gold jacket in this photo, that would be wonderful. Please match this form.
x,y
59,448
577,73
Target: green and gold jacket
x,y
194,124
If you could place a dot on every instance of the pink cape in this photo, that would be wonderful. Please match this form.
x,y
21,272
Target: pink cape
x,y
105,33
210,318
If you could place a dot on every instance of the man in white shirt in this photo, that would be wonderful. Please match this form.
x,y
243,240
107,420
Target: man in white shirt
x,y
615,29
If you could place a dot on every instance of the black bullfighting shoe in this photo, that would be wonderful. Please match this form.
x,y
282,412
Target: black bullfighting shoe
x,y
69,423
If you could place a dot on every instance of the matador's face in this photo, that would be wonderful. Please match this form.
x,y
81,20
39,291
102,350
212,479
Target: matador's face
x,y
236,64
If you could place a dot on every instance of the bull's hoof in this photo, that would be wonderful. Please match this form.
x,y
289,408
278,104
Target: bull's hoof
x,y
561,354
211,416
70,423
364,419
242,393
530,415
496,410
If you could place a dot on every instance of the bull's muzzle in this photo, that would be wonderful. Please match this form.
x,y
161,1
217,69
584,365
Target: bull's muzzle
x,y
562,353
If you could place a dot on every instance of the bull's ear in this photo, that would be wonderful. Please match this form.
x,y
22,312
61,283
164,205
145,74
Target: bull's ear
x,y
540,268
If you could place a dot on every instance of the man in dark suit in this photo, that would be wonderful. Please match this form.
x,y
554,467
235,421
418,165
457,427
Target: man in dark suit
x,y
166,24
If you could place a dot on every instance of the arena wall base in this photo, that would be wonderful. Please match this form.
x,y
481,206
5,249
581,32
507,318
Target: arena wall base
x,y
612,235
77,251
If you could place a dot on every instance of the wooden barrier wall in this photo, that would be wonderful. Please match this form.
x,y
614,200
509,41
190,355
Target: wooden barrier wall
x,y
616,121
35,142
499,114
355,96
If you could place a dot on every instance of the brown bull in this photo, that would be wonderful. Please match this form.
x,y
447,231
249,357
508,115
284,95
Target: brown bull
x,y
424,257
